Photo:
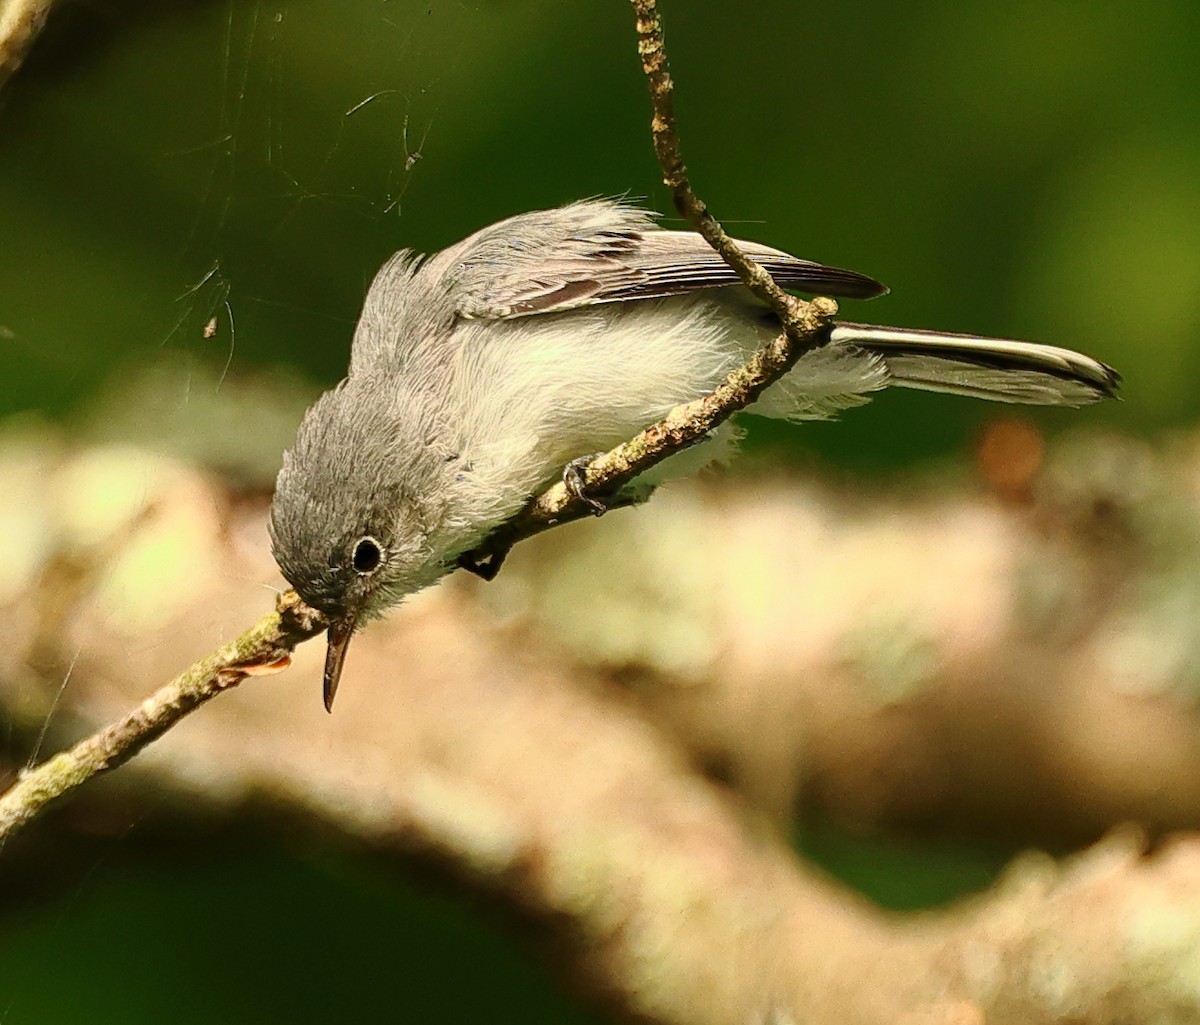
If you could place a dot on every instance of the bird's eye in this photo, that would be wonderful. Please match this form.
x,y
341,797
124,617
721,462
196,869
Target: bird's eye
x,y
367,555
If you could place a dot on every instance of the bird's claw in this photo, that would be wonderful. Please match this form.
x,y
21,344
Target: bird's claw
x,y
573,479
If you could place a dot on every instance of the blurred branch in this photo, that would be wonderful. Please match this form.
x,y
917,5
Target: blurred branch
x,y
562,775
20,23
549,752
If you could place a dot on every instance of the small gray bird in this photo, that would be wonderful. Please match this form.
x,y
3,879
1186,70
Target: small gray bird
x,y
478,373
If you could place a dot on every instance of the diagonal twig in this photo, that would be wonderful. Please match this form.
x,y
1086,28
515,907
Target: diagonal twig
x,y
802,320
266,647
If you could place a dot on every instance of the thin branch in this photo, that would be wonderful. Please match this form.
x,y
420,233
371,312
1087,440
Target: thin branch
x,y
802,320
20,23
267,645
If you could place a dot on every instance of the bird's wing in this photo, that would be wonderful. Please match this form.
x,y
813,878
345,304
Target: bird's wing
x,y
600,251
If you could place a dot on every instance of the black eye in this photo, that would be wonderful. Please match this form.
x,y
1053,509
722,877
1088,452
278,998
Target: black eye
x,y
367,555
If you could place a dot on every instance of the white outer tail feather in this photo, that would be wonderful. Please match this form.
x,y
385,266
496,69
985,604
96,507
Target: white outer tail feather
x,y
1000,369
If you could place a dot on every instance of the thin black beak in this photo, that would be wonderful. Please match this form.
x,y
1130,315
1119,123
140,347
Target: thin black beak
x,y
340,632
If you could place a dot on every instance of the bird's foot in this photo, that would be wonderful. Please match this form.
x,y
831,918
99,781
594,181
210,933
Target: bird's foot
x,y
484,565
573,478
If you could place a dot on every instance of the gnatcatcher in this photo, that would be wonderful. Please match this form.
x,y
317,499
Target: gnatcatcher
x,y
477,374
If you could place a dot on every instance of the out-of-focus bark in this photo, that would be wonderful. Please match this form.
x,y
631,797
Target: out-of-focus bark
x,y
1014,659
1022,664
20,23
1015,662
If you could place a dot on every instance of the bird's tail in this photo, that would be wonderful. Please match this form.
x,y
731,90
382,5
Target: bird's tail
x,y
999,369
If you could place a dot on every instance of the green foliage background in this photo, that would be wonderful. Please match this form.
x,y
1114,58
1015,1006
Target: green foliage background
x,y
1030,169
1015,168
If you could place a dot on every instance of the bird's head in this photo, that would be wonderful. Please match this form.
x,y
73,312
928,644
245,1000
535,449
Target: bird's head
x,y
350,519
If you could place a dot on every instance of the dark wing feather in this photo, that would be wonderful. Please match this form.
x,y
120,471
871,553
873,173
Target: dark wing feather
x,y
602,252
670,262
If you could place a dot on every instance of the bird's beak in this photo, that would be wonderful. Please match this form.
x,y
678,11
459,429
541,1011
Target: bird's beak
x,y
340,632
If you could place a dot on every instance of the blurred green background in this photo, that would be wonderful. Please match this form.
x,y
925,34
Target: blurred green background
x,y
1027,169
1011,168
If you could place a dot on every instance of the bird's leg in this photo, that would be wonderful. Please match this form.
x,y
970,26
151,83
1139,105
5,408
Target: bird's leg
x,y
484,566
486,559
573,481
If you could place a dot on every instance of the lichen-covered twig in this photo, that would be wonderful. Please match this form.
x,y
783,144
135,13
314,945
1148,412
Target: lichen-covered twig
x,y
264,648
802,320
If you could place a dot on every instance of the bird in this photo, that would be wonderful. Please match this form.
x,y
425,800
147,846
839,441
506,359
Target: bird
x,y
477,374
